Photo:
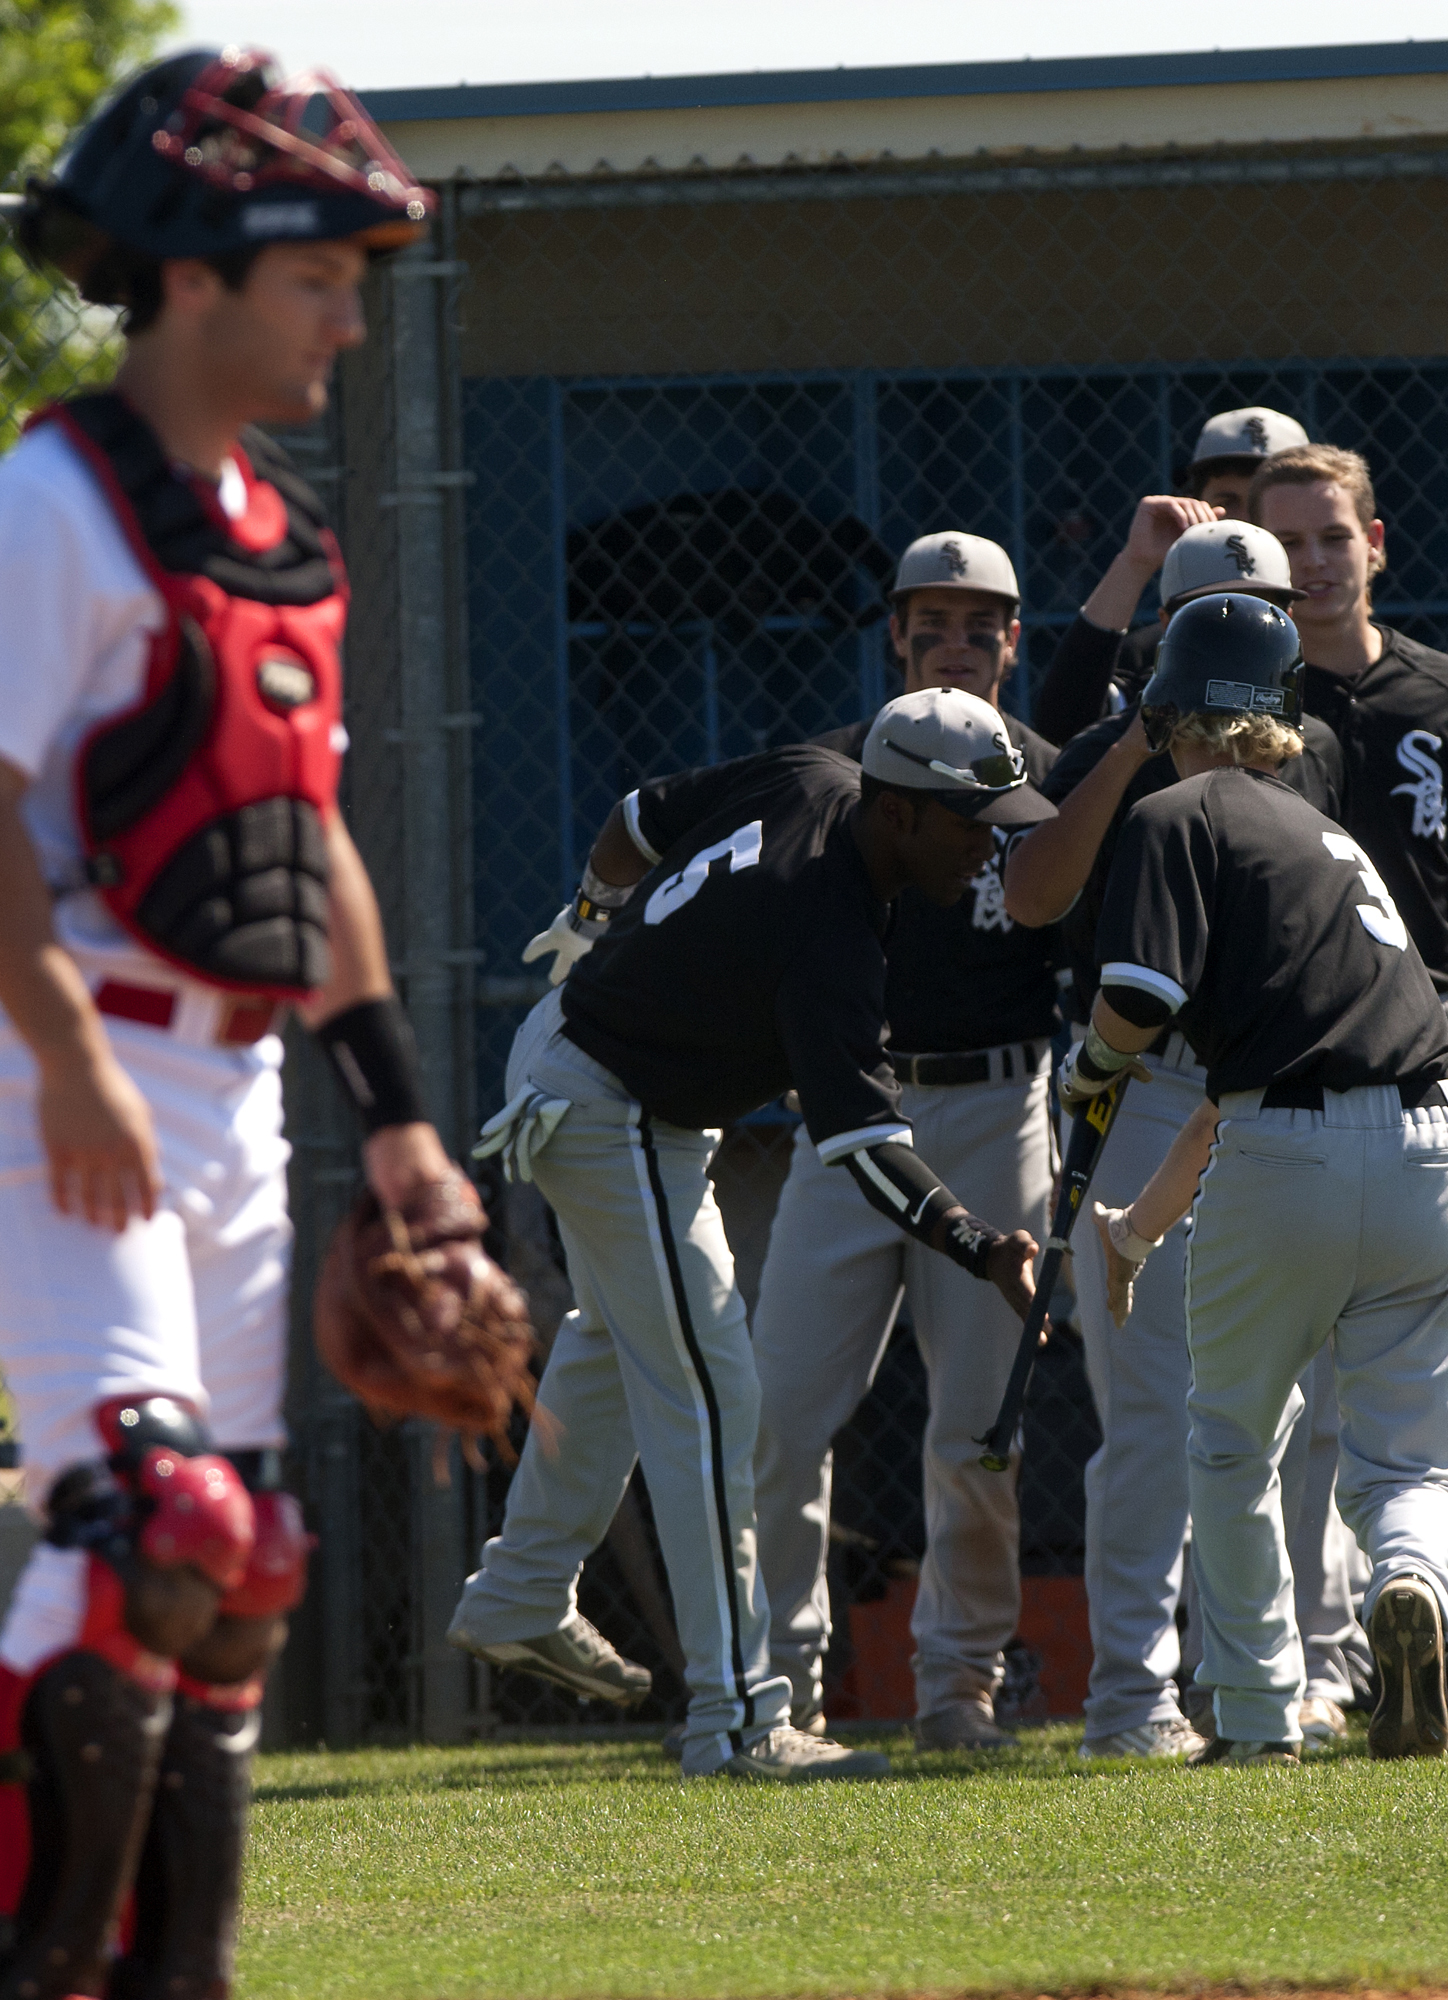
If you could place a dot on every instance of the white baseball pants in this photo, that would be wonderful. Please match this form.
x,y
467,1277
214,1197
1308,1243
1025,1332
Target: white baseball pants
x,y
190,1304
1139,1377
1312,1227
653,1364
832,1284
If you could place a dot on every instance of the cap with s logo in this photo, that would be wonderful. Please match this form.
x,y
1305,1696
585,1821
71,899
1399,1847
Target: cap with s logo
x,y
954,560
1250,433
1227,555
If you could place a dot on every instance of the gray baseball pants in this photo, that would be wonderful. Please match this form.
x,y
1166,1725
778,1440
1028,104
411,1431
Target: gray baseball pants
x,y
1140,1377
833,1281
1313,1227
653,1364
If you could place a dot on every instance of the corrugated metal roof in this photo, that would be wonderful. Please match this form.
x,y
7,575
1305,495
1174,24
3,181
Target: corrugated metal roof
x,y
839,86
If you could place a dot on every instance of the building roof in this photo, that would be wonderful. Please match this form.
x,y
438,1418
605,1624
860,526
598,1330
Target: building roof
x,y
800,118
841,86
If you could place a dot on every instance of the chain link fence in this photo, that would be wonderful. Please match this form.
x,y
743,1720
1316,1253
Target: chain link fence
x,y
621,476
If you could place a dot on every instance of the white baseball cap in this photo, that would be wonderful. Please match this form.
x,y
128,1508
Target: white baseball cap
x,y
1227,555
1250,433
954,746
957,561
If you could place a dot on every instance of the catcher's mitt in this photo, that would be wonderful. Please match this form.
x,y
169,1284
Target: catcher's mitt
x,y
417,1321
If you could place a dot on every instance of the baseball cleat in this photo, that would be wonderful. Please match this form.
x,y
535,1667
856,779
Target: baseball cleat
x,y
786,1756
1406,1635
1173,1736
576,1657
965,1725
1322,1723
1223,1750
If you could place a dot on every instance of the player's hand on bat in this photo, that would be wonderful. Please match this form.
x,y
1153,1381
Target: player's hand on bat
x,y
1075,1090
1159,521
1009,1265
99,1140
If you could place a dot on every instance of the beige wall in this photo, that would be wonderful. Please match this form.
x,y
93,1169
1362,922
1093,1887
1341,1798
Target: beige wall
x,y
726,136
1224,273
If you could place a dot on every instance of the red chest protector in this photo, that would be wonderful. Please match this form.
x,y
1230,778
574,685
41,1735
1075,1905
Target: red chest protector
x,y
202,806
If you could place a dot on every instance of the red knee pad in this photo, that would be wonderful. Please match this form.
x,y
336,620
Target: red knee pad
x,y
275,1579
200,1512
203,1516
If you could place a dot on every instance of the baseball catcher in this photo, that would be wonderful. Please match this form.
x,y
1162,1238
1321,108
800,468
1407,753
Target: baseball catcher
x,y
175,875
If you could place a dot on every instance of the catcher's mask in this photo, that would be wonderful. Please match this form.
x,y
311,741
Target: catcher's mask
x,y
212,152
1224,655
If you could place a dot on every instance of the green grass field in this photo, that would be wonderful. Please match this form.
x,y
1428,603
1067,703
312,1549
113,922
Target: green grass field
x,y
559,1869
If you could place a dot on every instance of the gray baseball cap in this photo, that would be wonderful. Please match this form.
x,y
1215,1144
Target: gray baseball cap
x,y
957,561
954,747
1227,555
1251,433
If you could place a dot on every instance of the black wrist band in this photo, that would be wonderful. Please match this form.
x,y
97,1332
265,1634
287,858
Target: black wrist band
x,y
969,1242
374,1053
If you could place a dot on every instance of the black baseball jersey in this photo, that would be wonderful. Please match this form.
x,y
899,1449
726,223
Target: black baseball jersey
x,y
1317,774
1088,661
968,977
1392,721
1272,938
749,960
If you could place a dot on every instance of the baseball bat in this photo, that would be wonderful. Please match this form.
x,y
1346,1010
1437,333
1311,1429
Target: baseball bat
x,y
1090,1129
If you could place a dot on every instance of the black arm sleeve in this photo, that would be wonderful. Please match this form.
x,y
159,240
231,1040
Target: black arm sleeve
x,y
894,1179
1070,697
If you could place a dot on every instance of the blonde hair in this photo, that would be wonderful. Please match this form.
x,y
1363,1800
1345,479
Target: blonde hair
x,y
1308,465
1247,739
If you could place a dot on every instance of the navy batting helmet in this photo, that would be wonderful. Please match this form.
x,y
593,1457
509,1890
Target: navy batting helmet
x,y
1224,655
210,153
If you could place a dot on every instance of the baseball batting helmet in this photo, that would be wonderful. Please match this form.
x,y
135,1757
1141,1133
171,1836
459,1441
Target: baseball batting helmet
x,y
1224,655
210,153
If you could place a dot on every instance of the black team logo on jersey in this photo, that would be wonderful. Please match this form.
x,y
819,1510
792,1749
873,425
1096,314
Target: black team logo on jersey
x,y
954,558
1257,432
1241,555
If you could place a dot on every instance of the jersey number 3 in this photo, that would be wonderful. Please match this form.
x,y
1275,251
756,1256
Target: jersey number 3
x,y
1380,917
743,848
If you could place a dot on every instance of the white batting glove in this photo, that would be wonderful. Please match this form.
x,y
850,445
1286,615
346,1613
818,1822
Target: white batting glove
x,y
1126,1252
569,937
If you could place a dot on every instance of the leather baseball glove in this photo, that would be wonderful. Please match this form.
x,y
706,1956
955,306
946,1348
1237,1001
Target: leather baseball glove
x,y
417,1321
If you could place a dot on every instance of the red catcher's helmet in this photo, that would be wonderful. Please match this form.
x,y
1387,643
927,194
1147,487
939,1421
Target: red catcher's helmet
x,y
211,152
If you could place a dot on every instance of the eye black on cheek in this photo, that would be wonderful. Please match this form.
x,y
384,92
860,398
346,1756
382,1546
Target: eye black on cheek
x,y
922,644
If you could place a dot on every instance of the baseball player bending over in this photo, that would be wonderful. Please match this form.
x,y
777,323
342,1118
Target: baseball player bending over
x,y
972,997
173,873
1316,1172
735,918
1139,1376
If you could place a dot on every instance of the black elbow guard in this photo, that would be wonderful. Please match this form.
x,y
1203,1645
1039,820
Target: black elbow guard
x,y
894,1179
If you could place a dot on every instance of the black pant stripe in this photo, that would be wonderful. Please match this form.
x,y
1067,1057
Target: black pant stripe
x,y
711,1404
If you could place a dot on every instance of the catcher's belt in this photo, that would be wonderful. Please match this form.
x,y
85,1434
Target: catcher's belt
x,y
202,807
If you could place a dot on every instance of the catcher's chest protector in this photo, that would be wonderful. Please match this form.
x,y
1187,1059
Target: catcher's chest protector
x,y
202,806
